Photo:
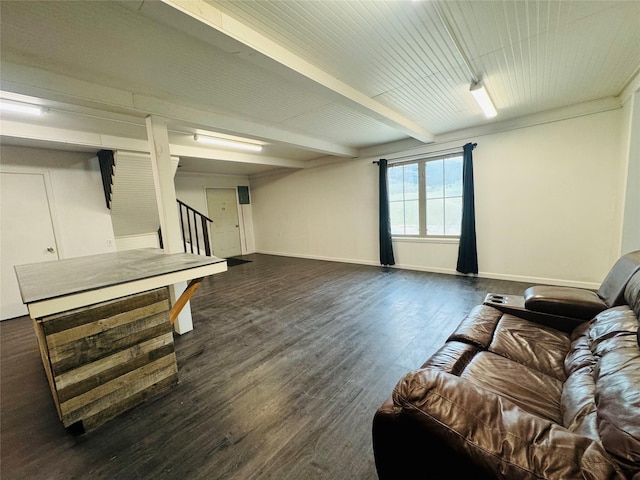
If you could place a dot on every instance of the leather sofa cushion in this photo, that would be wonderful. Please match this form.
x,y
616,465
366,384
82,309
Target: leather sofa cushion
x,y
564,301
530,344
578,405
536,346
495,433
602,392
477,327
580,357
617,397
609,325
618,401
530,389
452,357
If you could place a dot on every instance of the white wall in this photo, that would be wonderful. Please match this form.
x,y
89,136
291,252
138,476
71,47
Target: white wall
x,y
631,136
328,213
191,189
549,203
551,199
81,219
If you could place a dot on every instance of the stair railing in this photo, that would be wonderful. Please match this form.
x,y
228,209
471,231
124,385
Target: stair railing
x,y
195,230
107,163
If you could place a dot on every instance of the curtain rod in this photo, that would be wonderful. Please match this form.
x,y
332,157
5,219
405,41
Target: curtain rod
x,y
427,154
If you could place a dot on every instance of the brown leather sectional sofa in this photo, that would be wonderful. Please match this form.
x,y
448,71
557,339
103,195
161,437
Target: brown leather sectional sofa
x,y
514,395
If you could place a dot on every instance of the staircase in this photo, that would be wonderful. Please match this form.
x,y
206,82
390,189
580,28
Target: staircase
x,y
127,179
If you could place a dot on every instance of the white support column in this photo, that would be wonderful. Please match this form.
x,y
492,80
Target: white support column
x,y
166,200
631,210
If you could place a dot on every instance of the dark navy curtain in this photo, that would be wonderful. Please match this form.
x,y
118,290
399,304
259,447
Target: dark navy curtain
x,y
467,250
386,248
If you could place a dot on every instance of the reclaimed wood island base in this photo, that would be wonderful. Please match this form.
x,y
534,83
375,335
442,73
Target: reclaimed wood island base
x,y
107,345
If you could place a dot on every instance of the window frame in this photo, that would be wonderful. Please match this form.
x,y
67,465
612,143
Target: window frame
x,y
422,198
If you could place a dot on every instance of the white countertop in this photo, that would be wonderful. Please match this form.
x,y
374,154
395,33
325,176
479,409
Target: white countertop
x,y
63,284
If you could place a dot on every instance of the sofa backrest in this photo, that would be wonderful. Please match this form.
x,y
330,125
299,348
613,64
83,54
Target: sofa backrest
x,y
613,341
632,293
612,289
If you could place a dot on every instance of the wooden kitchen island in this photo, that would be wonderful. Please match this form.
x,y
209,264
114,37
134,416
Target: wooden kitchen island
x,y
103,327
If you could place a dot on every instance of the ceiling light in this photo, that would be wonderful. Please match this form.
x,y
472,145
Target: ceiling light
x,y
228,143
6,106
482,97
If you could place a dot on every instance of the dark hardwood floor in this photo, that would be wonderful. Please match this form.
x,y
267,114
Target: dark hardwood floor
x,y
288,361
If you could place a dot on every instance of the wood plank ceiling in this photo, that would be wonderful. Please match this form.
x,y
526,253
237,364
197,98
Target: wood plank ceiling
x,y
532,55
321,77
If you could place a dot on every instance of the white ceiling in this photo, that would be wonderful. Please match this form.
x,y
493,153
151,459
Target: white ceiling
x,y
311,78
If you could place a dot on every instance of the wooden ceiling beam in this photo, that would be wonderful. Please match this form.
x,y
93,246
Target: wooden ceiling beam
x,y
207,14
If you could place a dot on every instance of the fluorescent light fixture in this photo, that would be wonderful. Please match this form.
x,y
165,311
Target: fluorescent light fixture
x,y
482,97
228,143
7,106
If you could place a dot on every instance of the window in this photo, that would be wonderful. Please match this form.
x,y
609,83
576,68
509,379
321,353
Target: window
x,y
425,197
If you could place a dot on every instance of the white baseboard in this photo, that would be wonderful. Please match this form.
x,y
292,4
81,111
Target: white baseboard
x,y
446,271
420,268
504,276
318,257
541,280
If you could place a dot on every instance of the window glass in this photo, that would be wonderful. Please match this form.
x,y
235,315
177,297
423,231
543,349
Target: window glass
x,y
411,218
434,174
396,184
435,216
411,186
425,197
396,214
452,215
453,177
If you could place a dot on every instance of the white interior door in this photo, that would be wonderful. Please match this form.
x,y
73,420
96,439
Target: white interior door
x,y
26,234
225,232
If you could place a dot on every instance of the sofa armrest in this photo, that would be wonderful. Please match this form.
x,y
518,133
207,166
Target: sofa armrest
x,y
400,448
500,438
564,301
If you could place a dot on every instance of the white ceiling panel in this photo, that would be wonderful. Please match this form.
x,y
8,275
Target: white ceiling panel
x,y
336,121
126,50
374,45
440,102
311,77
533,56
537,56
